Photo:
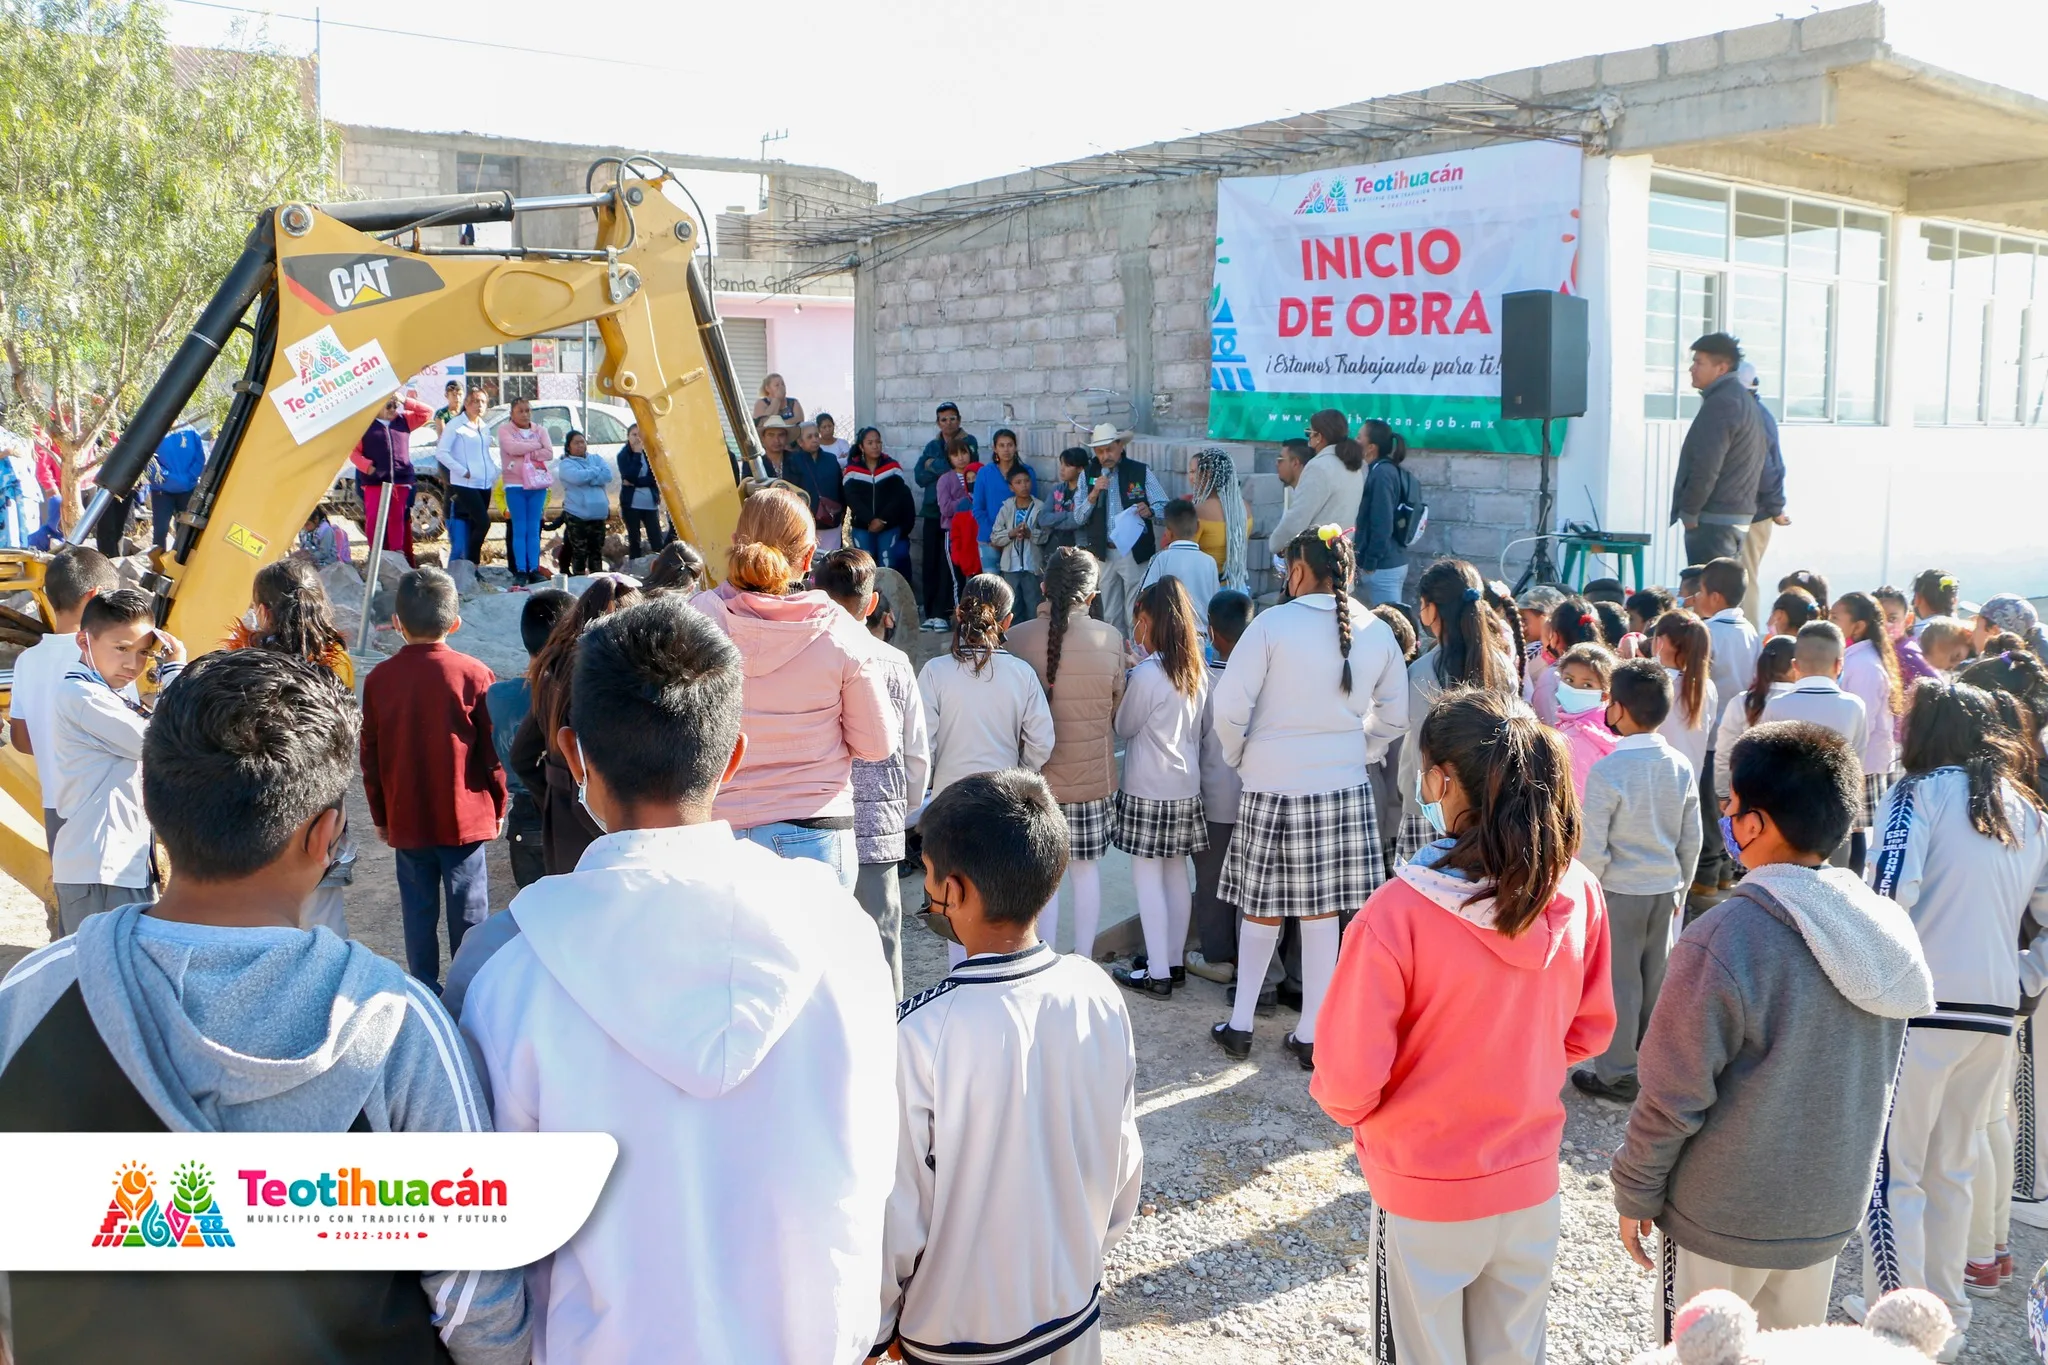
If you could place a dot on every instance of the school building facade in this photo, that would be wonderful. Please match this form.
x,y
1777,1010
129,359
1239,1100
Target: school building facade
x,y
1875,230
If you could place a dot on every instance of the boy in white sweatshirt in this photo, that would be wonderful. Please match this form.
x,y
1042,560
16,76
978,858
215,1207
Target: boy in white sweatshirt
x,y
723,1012
1019,1163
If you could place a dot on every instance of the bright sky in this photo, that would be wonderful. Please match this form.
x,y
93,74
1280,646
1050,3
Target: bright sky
x,y
922,94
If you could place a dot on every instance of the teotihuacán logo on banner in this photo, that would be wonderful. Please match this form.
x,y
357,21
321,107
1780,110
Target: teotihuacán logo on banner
x,y
298,1201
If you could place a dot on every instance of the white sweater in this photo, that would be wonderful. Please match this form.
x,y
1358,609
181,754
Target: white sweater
x,y
1280,715
1818,700
1162,734
1863,677
983,722
1019,1163
1693,741
725,1014
1327,493
1966,894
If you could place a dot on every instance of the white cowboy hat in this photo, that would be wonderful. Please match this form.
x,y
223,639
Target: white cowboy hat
x,y
1106,434
777,421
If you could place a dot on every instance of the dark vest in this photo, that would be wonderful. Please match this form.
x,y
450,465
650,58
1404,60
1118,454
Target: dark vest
x,y
63,1080
1131,478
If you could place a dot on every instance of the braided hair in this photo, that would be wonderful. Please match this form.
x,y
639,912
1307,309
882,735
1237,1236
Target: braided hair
x,y
985,603
1327,552
1069,583
297,617
1955,725
1501,598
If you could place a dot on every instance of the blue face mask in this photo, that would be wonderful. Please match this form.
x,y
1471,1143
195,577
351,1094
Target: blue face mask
x,y
1432,811
1728,840
583,791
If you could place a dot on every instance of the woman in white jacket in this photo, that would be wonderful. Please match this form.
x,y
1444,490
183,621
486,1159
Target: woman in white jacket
x,y
471,467
1315,691
1965,850
1332,483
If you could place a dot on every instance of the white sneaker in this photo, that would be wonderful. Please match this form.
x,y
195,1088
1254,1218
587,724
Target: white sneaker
x,y
1855,1306
1952,1348
932,623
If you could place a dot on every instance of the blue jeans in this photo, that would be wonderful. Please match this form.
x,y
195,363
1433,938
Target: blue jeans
x,y
1384,585
832,847
524,506
879,544
423,874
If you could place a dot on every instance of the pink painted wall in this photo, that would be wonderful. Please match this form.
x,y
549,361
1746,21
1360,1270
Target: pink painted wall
x,y
810,344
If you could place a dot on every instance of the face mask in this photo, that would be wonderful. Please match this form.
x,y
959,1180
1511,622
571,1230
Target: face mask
x,y
1728,839
1576,701
583,791
935,919
1432,811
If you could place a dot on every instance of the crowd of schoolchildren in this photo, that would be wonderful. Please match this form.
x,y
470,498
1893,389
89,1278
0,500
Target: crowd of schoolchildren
x,y
1779,893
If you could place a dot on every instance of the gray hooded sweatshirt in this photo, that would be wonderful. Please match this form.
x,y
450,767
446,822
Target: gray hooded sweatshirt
x,y
1767,1069
277,1031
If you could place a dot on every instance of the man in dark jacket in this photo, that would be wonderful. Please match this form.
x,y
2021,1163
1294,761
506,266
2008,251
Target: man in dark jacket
x,y
930,468
1722,461
1770,501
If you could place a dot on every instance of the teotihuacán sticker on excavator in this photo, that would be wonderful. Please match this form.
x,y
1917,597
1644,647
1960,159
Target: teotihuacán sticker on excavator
x,y
340,282
331,383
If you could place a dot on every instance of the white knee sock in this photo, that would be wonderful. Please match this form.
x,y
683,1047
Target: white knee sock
x,y
1318,965
1148,879
1180,901
1086,879
1049,922
1255,945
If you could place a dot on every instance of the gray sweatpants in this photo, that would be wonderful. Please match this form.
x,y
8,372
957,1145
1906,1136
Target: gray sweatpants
x,y
76,900
1639,934
1475,1291
874,886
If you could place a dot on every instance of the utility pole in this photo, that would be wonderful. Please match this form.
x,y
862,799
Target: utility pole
x,y
767,138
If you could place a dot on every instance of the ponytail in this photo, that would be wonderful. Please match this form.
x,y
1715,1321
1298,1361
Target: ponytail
x,y
1468,631
1069,581
978,623
1520,831
1327,552
1504,611
1693,646
1384,439
1336,433
1169,616
1773,665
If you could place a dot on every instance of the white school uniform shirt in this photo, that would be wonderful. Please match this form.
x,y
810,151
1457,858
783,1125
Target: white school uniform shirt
x,y
94,781
1863,677
1190,563
1966,893
726,1015
1691,740
983,722
1019,1163
1162,732
1819,700
1734,725
1280,715
38,673
1731,661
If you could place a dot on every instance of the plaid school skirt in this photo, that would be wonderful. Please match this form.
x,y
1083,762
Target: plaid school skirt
x,y
1414,835
1292,856
1875,785
1146,828
1087,829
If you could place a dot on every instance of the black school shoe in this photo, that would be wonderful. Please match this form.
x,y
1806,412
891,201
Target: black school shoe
x,y
1236,1042
1587,1083
1129,979
1267,1002
1178,975
1305,1053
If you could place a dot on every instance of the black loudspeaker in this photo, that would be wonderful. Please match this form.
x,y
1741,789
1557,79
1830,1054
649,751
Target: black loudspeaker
x,y
1543,355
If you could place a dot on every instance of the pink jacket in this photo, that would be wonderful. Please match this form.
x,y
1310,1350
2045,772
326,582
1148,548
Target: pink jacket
x,y
815,701
1443,1044
524,456
1589,740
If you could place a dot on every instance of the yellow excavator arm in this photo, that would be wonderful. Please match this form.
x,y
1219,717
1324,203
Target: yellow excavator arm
x,y
339,315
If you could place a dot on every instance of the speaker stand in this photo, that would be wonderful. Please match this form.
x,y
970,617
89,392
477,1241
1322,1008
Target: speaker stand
x,y
1541,567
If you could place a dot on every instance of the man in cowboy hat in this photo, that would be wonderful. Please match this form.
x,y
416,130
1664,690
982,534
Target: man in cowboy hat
x,y
775,441
1119,483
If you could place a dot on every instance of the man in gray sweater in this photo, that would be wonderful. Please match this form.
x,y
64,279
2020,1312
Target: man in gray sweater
x,y
1767,1070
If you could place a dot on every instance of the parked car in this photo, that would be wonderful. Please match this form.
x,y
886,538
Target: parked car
x,y
602,424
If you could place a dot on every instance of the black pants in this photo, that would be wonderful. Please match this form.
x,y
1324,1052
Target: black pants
x,y
938,570
162,508
472,508
1704,542
522,841
583,546
1215,920
648,519
107,534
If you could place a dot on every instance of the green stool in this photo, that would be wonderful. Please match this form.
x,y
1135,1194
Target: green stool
x,y
1623,545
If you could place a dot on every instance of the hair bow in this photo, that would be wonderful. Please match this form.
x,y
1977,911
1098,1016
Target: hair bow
x,y
1588,619
1330,533
1472,594
1947,584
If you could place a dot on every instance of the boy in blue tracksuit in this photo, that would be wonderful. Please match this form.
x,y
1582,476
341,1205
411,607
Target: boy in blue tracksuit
x,y
173,474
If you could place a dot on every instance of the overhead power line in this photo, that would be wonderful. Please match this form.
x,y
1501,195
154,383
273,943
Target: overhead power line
x,y
325,22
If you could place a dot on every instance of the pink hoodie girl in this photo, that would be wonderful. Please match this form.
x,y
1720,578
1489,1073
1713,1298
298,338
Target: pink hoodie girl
x,y
1587,737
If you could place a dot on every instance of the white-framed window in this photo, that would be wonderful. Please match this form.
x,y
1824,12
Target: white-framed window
x,y
1979,327
1799,282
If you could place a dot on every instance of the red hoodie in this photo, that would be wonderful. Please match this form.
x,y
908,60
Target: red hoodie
x,y
1443,1043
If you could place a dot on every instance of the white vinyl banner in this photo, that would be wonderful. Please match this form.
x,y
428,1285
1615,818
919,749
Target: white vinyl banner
x,y
1375,290
332,383
296,1201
